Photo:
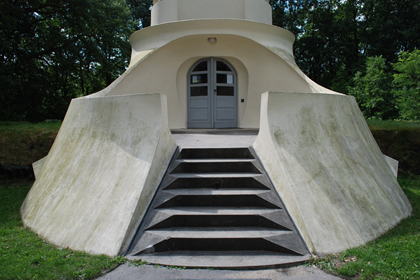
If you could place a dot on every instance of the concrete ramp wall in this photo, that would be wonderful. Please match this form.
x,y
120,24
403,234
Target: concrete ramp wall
x,y
328,169
101,173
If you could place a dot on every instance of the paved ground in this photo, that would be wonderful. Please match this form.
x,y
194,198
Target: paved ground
x,y
127,272
215,138
205,138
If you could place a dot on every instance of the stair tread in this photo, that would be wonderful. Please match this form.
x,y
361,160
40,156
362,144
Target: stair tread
x,y
222,259
207,160
214,191
217,210
215,175
218,232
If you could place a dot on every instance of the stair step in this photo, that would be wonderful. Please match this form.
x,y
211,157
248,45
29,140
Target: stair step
x,y
215,153
218,183
217,232
272,220
222,259
215,167
218,211
215,191
214,160
237,200
214,175
215,244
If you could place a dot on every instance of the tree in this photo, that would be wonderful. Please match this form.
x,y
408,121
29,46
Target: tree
x,y
53,51
407,84
140,11
334,38
373,90
390,27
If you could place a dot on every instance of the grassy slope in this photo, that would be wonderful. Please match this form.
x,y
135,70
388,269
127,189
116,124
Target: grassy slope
x,y
22,143
399,140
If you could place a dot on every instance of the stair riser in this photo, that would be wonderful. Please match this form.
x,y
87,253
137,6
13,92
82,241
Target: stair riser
x,y
216,167
231,244
217,201
238,153
218,183
200,221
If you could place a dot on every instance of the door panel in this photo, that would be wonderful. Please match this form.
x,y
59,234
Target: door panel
x,y
212,97
199,103
225,103
225,115
199,115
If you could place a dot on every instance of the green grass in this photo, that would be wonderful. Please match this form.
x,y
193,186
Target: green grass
x,y
395,255
24,255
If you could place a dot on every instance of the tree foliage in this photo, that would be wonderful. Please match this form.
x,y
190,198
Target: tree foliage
x,y
373,90
407,84
53,51
334,38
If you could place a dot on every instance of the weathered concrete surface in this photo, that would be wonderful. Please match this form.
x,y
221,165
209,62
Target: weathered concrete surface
x,y
328,169
393,163
101,173
37,165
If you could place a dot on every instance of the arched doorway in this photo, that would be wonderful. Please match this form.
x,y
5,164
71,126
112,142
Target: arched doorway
x,y
212,94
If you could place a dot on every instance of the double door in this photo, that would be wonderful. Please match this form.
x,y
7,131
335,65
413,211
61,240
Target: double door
x,y
212,94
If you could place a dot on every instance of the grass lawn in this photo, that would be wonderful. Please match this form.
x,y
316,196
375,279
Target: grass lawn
x,y
395,255
24,255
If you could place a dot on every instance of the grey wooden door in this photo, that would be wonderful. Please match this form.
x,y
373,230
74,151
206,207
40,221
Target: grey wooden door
x,y
212,97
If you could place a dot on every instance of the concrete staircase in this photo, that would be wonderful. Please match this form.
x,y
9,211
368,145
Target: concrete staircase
x,y
217,208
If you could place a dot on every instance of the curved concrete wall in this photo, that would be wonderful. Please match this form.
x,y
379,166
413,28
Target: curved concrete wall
x,y
101,173
258,68
261,54
157,36
176,10
328,169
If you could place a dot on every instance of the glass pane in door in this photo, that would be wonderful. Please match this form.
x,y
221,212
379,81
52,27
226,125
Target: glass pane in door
x,y
225,91
199,91
201,67
199,79
220,66
225,79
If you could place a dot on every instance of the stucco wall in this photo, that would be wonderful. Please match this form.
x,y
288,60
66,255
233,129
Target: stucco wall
x,y
101,173
258,68
335,182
